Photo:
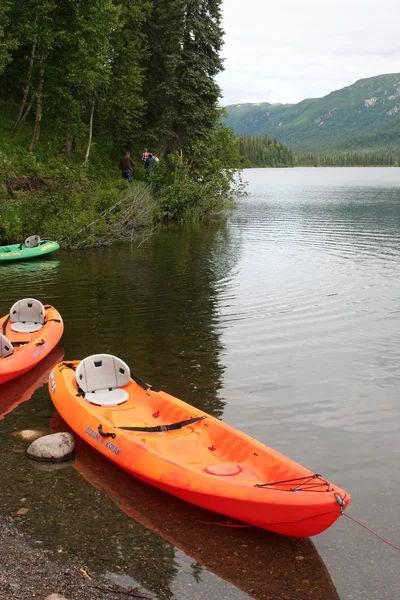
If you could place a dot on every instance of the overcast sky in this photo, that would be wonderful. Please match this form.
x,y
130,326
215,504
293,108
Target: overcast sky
x,y
288,50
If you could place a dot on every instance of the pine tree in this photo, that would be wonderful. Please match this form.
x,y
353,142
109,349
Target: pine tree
x,y
185,39
124,104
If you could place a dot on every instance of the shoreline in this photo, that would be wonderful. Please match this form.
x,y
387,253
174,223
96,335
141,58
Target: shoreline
x,y
28,571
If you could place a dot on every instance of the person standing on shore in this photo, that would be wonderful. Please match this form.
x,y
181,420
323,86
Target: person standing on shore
x,y
126,165
149,162
145,155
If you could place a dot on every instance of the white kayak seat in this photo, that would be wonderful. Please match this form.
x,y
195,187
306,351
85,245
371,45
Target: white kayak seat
x,y
27,316
6,347
32,241
101,377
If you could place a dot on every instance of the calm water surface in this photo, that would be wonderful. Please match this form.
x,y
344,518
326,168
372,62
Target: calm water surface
x,y
284,320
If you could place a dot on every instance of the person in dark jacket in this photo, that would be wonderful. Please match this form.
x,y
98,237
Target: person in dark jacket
x,y
126,165
150,160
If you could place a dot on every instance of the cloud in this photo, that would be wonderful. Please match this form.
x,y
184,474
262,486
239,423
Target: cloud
x,y
295,50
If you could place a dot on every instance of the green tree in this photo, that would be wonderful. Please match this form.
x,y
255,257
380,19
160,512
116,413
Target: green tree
x,y
124,104
198,92
6,40
185,40
79,67
164,32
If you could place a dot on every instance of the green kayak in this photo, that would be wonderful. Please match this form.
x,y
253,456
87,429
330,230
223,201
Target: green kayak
x,y
32,247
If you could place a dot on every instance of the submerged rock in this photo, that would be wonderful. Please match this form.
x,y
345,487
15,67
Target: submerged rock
x,y
28,435
54,447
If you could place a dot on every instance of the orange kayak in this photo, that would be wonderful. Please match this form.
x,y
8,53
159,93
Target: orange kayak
x,y
27,335
181,450
13,393
198,533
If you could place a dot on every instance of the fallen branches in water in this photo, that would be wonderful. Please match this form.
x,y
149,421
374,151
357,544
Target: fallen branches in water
x,y
129,219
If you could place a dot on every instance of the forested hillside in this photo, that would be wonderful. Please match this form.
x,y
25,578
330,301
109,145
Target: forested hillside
x,y
363,116
82,82
264,152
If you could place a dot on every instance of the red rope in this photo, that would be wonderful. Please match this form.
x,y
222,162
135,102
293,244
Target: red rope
x,y
373,532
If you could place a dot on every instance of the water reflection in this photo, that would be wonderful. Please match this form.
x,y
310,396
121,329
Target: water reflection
x,y
68,516
21,389
155,307
30,269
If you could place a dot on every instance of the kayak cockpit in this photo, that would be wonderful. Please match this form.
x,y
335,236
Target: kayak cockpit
x,y
181,434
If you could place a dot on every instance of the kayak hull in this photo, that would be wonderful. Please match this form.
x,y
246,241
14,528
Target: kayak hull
x,y
20,390
15,252
36,346
207,463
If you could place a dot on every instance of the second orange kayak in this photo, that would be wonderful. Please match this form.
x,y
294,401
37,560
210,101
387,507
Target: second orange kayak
x,y
181,450
27,335
19,390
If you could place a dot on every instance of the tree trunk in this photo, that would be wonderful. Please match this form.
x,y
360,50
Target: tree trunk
x,y
90,134
28,110
19,120
38,116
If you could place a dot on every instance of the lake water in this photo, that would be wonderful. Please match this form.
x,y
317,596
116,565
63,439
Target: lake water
x,y
284,320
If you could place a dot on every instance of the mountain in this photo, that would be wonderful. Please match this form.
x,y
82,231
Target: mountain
x,y
362,116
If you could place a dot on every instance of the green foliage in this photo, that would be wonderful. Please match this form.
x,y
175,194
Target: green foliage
x,y
77,213
7,42
185,39
123,102
183,192
78,64
82,81
264,152
10,222
349,159
363,116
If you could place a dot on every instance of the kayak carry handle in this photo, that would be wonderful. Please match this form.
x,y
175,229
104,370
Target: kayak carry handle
x,y
104,433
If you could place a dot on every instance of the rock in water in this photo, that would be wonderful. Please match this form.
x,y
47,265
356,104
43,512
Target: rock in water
x,y
28,435
54,447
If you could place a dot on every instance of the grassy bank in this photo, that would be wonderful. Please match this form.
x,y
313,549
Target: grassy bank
x,y
80,205
85,205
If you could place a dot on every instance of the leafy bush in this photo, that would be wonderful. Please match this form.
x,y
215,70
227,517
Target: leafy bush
x,y
190,190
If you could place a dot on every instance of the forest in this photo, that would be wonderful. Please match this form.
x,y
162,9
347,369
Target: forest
x,y
82,82
262,151
376,158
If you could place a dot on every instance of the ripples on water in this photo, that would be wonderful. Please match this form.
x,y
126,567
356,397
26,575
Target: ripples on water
x,y
311,331
284,320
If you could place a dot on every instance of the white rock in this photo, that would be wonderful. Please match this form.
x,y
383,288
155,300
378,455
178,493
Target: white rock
x,y
28,435
55,597
57,446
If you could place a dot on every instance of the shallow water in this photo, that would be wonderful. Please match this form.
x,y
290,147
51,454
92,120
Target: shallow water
x,y
284,320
